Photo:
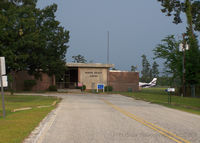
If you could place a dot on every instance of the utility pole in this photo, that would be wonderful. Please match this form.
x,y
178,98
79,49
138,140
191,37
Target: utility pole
x,y
183,61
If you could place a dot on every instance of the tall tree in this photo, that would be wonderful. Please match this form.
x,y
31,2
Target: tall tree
x,y
31,38
191,9
178,8
145,69
79,59
133,68
155,71
169,51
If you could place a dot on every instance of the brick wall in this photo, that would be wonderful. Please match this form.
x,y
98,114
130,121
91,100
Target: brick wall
x,y
123,81
42,84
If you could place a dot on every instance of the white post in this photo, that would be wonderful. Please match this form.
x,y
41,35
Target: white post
x,y
2,92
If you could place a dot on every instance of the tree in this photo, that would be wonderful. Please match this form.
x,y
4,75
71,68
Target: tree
x,y
31,39
155,71
55,39
169,51
79,59
191,9
114,69
145,69
133,68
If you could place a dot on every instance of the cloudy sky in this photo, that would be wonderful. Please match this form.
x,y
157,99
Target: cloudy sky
x,y
135,27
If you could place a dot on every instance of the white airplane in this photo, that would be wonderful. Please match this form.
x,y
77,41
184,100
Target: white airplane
x,y
148,85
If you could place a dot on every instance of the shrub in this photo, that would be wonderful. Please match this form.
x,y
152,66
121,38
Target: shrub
x,y
130,90
28,84
52,88
108,88
82,88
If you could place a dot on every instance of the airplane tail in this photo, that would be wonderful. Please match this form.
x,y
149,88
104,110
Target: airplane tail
x,y
153,81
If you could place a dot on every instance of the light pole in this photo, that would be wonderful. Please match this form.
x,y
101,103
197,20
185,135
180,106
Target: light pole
x,y
108,46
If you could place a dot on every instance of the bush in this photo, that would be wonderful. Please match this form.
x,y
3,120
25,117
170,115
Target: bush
x,y
82,88
28,84
52,88
130,90
108,88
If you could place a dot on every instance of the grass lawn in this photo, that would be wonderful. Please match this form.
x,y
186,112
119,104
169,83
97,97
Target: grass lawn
x,y
18,125
159,96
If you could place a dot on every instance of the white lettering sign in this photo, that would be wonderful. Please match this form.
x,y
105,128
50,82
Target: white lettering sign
x,y
5,81
171,90
3,66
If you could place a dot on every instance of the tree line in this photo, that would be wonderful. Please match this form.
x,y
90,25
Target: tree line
x,y
31,38
182,68
148,72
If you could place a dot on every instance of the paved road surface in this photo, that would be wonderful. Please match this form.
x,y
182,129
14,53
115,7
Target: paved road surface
x,y
119,119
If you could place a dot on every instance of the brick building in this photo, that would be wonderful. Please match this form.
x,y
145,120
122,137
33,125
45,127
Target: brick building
x,y
89,74
42,83
124,80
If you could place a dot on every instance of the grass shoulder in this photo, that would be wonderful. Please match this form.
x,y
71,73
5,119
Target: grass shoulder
x,y
159,96
16,126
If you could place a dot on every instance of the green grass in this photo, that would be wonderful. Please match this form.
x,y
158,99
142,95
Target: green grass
x,y
159,96
18,125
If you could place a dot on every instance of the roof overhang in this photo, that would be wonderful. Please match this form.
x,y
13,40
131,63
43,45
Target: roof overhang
x,y
90,65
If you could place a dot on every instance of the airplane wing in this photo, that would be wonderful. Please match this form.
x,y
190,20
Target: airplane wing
x,y
147,85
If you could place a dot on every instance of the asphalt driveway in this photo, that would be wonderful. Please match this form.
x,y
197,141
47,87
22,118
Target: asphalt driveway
x,y
118,119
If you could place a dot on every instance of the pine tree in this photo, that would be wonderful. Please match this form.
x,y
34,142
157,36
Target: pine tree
x,y
133,68
155,71
145,69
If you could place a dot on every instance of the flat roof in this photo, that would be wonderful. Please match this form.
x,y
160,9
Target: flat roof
x,y
121,71
90,65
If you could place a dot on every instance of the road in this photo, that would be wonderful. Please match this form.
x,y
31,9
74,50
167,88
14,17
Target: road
x,y
118,119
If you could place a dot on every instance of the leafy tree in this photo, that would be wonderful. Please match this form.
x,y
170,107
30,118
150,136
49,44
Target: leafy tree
x,y
79,59
133,68
178,8
155,71
169,51
164,80
31,39
145,69
191,9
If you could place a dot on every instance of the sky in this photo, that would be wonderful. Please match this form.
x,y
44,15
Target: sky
x,y
135,28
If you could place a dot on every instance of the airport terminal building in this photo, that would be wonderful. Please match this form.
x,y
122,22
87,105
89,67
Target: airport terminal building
x,y
91,74
88,74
